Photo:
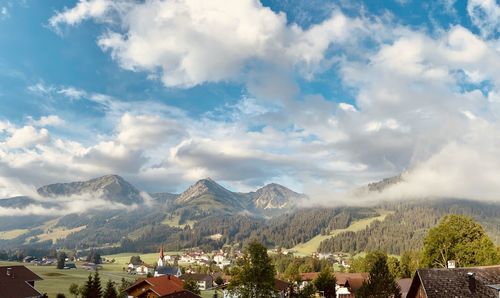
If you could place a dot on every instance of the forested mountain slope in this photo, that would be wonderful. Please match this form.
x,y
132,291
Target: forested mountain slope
x,y
405,229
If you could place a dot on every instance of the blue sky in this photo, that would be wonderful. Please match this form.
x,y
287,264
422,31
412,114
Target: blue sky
x,y
322,96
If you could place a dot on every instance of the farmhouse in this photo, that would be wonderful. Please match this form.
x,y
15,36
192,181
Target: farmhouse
x,y
18,282
478,282
204,281
347,283
159,287
282,289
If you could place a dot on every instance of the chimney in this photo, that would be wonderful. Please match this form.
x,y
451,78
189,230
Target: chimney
x,y
472,281
451,264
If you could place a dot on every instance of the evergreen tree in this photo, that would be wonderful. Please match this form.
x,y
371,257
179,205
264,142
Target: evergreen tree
x,y
94,257
191,285
381,283
125,284
459,238
254,277
325,282
61,260
96,291
86,291
110,290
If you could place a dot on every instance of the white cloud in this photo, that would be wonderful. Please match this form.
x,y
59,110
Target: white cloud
x,y
83,10
72,92
485,14
4,12
203,53
41,89
50,120
418,103
27,136
139,131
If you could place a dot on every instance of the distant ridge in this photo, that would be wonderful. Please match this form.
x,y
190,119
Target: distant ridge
x,y
110,187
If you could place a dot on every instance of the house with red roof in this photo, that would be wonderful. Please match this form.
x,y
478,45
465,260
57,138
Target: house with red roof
x,y
347,283
159,287
18,282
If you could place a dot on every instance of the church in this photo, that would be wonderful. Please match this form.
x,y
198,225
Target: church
x,y
163,267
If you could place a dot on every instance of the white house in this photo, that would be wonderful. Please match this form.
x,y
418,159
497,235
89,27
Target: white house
x,y
221,261
204,281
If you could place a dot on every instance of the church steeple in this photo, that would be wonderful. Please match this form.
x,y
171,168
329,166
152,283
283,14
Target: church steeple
x,y
161,259
161,252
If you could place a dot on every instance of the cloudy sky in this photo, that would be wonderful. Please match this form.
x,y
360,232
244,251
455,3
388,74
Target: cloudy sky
x,y
321,96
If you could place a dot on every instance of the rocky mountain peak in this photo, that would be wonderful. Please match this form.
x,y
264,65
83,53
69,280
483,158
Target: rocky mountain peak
x,y
202,187
275,196
109,187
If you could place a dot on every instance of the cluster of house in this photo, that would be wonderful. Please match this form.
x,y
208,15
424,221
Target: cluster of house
x,y
336,258
168,282
165,263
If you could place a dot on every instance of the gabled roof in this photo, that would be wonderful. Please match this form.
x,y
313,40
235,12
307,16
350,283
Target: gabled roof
x,y
196,276
280,285
308,276
457,282
404,285
16,284
167,270
181,294
161,285
351,280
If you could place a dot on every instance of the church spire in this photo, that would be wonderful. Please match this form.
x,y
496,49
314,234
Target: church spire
x,y
161,260
161,252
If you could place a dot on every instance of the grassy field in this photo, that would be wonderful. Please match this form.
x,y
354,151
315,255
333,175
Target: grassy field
x,y
174,222
123,259
7,235
51,232
312,245
58,281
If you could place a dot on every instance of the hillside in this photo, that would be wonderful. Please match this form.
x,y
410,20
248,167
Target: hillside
x,y
110,187
209,215
111,225
407,225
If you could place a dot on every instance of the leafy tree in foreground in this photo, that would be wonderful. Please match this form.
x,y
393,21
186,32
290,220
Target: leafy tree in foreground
x,y
307,291
191,285
325,282
459,238
381,283
219,281
59,295
254,277
74,289
410,262
110,290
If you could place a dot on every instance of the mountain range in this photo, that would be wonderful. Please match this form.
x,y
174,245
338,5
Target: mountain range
x,y
208,215
203,198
